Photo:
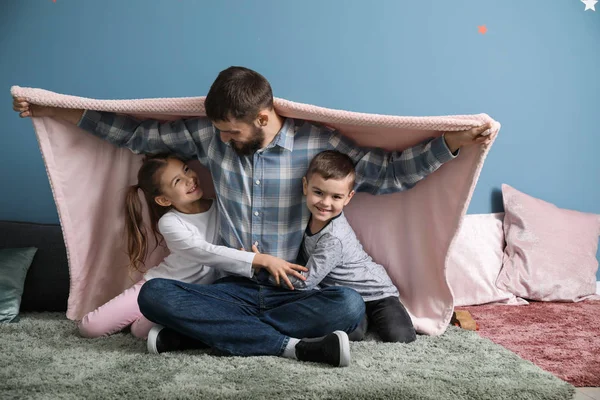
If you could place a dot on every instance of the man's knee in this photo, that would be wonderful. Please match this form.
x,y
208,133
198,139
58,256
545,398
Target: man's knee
x,y
151,295
351,303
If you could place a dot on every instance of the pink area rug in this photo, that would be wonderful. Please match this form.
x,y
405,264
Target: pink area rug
x,y
561,338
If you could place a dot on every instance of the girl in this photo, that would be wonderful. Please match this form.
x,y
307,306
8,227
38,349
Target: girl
x,y
188,224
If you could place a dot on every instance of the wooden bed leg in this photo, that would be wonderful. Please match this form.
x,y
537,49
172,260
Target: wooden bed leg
x,y
463,319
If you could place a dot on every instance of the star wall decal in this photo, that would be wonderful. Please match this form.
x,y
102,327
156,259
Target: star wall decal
x,y
589,4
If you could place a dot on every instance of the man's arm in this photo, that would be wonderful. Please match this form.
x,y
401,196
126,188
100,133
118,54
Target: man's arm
x,y
187,138
68,114
380,172
327,256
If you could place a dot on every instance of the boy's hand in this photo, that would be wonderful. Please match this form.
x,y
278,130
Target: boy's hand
x,y
477,135
279,268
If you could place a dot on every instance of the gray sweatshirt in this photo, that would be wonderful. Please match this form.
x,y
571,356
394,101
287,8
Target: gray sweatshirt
x,y
335,257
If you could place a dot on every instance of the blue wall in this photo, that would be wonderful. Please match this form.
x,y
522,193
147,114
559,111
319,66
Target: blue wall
x,y
536,70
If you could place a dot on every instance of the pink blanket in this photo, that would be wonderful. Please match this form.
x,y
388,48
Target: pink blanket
x,y
410,233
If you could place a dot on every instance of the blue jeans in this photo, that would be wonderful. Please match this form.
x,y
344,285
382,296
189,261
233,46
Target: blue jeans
x,y
238,316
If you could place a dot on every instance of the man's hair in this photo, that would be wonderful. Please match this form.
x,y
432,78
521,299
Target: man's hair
x,y
238,93
331,164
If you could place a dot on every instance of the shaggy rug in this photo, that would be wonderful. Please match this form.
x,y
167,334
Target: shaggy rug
x,y
562,338
43,357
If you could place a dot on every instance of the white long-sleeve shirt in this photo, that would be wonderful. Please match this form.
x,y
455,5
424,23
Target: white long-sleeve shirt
x,y
194,258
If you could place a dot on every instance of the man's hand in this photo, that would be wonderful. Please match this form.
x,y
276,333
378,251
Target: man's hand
x,y
26,109
279,268
477,135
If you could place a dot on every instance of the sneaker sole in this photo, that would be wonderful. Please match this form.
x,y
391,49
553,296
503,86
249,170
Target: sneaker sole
x,y
344,348
152,336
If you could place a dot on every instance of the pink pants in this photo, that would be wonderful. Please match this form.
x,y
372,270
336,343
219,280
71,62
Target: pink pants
x,y
116,315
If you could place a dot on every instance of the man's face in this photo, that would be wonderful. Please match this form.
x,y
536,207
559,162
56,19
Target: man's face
x,y
245,138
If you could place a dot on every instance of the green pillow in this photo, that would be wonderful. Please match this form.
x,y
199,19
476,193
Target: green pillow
x,y
14,264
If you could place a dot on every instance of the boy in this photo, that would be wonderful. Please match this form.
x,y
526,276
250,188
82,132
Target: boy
x,y
334,256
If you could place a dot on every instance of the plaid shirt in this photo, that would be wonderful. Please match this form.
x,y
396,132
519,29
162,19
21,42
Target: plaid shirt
x,y
260,197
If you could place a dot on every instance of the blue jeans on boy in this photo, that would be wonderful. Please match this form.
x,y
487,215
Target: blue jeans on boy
x,y
238,316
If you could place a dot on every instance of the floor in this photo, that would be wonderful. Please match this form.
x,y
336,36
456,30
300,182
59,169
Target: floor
x,y
587,393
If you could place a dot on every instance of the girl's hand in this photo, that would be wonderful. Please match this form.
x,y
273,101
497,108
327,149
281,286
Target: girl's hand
x,y
280,269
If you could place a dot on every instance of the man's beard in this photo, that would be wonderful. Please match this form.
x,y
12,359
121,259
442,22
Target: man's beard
x,y
253,145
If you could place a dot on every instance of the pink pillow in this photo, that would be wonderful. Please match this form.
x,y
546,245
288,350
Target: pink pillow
x,y
550,252
475,260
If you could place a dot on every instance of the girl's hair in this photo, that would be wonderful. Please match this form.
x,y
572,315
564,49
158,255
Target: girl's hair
x,y
149,182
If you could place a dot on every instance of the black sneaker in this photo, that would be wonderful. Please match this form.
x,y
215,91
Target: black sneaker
x,y
333,349
161,340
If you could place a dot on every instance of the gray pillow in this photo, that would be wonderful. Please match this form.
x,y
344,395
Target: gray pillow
x,y
14,264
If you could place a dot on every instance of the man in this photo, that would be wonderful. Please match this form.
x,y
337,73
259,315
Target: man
x,y
257,159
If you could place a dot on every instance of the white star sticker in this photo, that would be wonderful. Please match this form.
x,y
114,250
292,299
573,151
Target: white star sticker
x,y
589,4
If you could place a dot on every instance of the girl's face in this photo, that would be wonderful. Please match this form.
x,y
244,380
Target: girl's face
x,y
179,185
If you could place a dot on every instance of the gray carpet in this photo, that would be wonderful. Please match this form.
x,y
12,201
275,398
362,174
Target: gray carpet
x,y
42,357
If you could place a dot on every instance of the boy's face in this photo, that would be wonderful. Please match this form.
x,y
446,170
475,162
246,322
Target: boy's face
x,y
327,198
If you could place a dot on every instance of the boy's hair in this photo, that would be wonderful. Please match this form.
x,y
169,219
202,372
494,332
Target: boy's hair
x,y
331,164
137,234
238,93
